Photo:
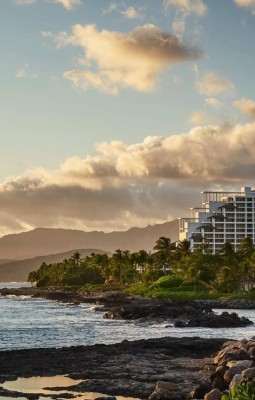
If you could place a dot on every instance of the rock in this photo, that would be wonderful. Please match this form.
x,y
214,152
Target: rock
x,y
179,323
214,394
163,394
221,370
105,398
200,391
219,383
167,385
235,381
244,364
224,320
238,368
210,367
251,352
249,373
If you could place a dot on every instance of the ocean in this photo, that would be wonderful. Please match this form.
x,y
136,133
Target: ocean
x,y
39,323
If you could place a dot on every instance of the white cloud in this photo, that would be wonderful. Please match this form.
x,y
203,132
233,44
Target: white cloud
x,y
114,59
131,13
68,4
198,118
246,106
25,72
188,6
246,4
212,84
125,185
21,73
215,103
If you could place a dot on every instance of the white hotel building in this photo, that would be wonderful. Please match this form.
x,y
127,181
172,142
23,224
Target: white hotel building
x,y
223,217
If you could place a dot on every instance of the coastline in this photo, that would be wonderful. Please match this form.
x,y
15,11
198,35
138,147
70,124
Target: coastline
x,y
129,368
126,368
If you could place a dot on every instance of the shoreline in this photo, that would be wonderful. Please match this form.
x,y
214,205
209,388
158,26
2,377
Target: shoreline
x,y
136,369
128,368
119,297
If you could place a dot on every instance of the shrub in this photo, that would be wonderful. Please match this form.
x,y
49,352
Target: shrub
x,y
243,391
171,281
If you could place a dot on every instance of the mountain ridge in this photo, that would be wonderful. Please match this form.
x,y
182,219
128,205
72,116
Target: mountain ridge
x,y
18,270
44,241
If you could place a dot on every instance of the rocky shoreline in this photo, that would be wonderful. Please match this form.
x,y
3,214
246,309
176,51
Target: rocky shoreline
x,y
121,305
132,369
154,369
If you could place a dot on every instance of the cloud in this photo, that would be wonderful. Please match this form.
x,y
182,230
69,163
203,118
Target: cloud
x,y
246,106
212,84
21,73
131,13
185,8
125,185
68,4
215,103
24,72
198,118
188,6
247,4
114,60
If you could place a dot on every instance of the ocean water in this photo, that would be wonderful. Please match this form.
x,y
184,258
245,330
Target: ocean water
x,y
37,323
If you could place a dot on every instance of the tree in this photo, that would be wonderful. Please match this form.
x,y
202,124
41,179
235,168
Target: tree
x,y
183,249
163,255
77,258
246,247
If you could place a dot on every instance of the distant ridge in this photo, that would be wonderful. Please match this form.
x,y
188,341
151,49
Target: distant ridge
x,y
18,270
45,241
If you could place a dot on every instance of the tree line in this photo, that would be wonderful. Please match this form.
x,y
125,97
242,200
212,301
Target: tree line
x,y
228,270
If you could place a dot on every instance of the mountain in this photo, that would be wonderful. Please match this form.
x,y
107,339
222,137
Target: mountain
x,y
17,271
44,241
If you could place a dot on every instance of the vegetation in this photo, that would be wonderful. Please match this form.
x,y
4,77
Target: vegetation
x,y
245,390
168,272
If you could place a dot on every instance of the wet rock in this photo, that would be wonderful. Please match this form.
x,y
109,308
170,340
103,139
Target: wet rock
x,y
179,323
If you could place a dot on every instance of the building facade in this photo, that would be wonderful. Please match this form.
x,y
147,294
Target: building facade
x,y
223,217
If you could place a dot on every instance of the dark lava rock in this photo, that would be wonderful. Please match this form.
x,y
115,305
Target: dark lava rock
x,y
224,320
128,368
200,391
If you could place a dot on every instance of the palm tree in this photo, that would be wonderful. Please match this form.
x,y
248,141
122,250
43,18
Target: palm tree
x,y
183,248
164,249
77,258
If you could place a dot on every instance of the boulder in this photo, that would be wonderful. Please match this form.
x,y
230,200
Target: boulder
x,y
249,373
164,394
235,381
214,394
200,391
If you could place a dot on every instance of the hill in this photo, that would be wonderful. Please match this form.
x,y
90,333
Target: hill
x,y
17,271
45,241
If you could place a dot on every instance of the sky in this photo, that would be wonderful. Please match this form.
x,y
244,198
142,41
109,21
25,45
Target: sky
x,y
117,114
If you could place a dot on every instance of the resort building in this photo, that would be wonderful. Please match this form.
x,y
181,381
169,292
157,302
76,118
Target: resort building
x,y
223,217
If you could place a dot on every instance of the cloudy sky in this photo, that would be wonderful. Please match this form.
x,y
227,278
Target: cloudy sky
x,y
118,113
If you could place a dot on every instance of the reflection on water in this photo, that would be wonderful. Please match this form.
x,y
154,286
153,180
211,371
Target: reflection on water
x,y
45,386
38,384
